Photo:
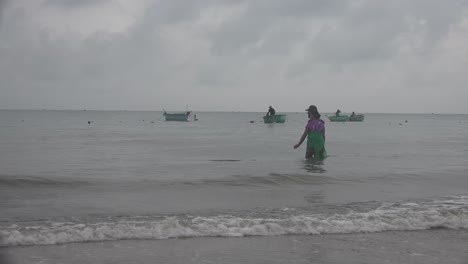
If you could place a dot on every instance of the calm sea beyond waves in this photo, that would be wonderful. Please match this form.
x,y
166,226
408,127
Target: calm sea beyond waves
x,y
128,179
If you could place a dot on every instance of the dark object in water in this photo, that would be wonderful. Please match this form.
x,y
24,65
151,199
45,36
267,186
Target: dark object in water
x,y
226,160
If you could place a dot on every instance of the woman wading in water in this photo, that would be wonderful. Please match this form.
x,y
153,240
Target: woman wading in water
x,y
315,133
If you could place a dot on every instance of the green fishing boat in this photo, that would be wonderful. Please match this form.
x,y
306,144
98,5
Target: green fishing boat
x,y
341,118
177,116
356,118
274,119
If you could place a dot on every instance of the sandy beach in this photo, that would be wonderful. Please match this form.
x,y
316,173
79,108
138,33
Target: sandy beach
x,y
429,246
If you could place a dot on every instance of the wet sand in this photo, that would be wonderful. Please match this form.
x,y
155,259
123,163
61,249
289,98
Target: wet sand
x,y
429,246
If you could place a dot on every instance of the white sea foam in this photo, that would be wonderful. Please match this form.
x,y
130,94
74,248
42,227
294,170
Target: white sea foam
x,y
408,216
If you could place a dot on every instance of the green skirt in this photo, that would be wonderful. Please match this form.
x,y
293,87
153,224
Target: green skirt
x,y
316,146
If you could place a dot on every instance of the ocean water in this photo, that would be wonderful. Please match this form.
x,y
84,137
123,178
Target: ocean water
x,y
132,176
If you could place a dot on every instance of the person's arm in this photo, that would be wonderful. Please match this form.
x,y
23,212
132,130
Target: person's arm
x,y
303,137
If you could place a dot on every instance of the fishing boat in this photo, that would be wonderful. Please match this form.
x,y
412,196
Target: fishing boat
x,y
356,118
274,119
340,118
181,116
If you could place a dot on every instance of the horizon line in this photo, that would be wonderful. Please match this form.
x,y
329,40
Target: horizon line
x,y
220,111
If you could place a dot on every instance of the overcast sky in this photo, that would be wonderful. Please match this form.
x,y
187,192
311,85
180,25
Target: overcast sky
x,y
398,56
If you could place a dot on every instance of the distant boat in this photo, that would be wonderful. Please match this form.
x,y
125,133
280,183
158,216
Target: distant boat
x,y
344,118
181,116
356,118
340,118
274,119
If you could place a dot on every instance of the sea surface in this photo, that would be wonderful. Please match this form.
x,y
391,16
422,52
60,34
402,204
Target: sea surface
x,y
85,176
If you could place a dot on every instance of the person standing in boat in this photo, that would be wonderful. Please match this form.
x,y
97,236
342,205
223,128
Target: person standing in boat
x,y
315,133
338,112
353,114
271,111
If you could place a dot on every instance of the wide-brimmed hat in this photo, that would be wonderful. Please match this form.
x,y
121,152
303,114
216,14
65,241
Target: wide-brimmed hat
x,y
311,107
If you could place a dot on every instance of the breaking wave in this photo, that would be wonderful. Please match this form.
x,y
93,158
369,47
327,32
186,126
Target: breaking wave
x,y
450,213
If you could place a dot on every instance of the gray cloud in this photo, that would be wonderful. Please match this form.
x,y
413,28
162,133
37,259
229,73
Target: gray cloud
x,y
376,30
269,18
3,4
241,55
72,3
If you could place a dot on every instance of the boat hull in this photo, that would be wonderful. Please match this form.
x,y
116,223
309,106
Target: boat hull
x,y
274,119
177,117
342,118
357,118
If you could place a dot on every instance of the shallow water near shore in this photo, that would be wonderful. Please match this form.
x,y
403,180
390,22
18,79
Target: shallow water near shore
x,y
131,175
429,247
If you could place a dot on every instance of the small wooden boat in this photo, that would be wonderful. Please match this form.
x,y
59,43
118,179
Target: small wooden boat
x,y
274,119
184,116
340,118
356,118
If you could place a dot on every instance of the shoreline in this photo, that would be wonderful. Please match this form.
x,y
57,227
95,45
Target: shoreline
x,y
425,246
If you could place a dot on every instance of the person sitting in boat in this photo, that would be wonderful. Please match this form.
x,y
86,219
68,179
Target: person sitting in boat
x,y
353,114
271,111
315,133
338,112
